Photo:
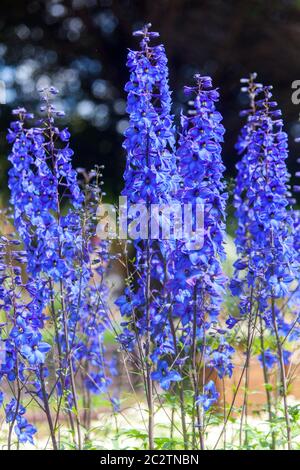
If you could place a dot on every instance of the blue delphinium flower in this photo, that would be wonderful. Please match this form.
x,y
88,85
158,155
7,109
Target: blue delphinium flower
x,y
209,397
23,351
165,376
25,431
265,267
41,171
59,255
35,350
199,283
270,358
14,410
151,178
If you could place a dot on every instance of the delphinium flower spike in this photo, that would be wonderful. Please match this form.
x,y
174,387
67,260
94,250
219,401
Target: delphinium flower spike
x,y
58,246
94,318
40,180
150,178
23,350
199,282
264,270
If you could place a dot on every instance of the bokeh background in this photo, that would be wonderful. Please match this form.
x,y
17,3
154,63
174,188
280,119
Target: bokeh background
x,y
80,47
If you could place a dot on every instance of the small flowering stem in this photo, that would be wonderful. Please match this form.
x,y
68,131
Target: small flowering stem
x,y
19,388
224,412
147,351
236,390
72,377
47,409
283,376
11,425
244,413
65,319
195,373
180,387
266,380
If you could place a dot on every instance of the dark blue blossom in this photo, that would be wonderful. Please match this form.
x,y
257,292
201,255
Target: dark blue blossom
x,y
165,376
150,177
209,397
54,221
14,410
265,269
269,358
35,351
198,282
25,431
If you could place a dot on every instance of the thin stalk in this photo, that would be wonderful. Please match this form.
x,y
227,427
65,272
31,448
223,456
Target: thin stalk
x,y
236,390
194,373
65,319
172,424
266,380
244,413
283,377
180,388
72,376
148,359
47,410
224,412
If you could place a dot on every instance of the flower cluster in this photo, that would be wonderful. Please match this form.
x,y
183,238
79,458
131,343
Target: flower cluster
x,y
66,265
150,177
189,282
40,178
265,267
150,171
54,298
23,351
199,283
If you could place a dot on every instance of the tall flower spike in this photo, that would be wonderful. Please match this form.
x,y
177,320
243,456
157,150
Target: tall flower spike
x,y
59,248
295,299
41,180
150,178
201,170
264,236
199,282
151,172
265,268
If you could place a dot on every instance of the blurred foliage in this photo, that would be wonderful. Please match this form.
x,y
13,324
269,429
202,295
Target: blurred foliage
x,y
80,47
